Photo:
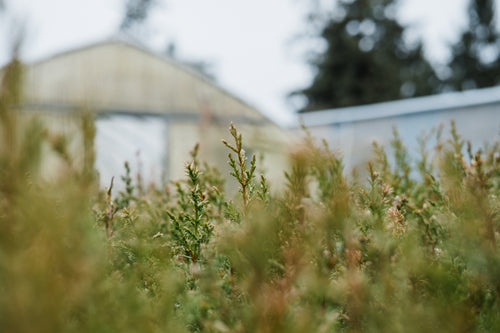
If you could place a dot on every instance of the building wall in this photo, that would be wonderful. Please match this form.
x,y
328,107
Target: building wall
x,y
139,140
147,104
269,143
61,137
160,147
479,124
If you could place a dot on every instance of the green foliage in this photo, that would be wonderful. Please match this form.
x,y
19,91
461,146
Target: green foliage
x,y
244,173
367,58
136,12
191,226
469,67
125,197
409,249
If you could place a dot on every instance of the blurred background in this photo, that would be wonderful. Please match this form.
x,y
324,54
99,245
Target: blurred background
x,y
260,50
259,63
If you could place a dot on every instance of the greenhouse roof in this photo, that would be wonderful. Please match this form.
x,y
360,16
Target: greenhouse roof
x,y
433,103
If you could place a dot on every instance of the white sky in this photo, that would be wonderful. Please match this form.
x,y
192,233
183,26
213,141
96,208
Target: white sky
x,y
250,43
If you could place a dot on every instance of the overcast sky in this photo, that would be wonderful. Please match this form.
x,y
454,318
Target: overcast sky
x,y
252,45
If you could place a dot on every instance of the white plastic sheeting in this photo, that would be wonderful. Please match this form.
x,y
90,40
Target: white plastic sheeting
x,y
139,140
352,130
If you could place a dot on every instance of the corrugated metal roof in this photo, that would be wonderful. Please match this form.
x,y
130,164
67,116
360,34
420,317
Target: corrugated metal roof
x,y
434,103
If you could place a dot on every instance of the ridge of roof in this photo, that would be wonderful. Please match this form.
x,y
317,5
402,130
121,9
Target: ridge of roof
x,y
432,103
130,41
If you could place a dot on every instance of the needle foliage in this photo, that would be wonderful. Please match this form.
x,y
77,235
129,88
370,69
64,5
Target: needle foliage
x,y
326,252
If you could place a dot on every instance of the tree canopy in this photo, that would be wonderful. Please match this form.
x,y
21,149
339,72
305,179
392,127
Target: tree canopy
x,y
136,12
476,56
367,59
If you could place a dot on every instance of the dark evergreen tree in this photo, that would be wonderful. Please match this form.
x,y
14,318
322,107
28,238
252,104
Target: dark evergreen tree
x,y
476,56
136,12
367,59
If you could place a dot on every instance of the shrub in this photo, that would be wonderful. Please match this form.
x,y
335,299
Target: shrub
x,y
409,249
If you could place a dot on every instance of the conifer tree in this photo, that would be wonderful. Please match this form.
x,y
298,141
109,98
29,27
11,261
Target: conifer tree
x,y
476,56
367,59
136,12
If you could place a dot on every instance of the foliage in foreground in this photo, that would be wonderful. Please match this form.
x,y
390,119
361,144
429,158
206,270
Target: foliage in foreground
x,y
396,252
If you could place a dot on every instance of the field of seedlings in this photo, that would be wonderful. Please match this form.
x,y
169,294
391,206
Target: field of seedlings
x,y
411,247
